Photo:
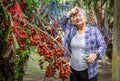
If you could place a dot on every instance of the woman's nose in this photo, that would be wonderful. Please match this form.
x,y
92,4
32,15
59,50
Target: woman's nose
x,y
78,17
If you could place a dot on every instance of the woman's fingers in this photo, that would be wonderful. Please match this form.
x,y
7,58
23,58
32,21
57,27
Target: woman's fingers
x,y
91,58
74,11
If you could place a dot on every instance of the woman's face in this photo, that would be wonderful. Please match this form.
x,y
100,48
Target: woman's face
x,y
79,19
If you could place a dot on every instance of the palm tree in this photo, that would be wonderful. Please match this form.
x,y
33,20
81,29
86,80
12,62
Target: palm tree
x,y
116,43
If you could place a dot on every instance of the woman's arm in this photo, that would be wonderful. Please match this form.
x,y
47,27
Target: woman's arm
x,y
101,45
64,20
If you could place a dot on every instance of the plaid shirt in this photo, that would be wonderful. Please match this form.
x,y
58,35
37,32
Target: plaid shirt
x,y
94,42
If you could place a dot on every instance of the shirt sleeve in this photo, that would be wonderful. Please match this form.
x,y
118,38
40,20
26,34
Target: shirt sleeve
x,y
63,22
101,45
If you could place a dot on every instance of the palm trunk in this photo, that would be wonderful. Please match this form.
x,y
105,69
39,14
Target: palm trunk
x,y
98,13
7,65
116,43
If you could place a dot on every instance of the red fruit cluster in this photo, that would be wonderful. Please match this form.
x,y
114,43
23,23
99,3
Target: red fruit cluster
x,y
51,44
34,38
42,49
64,72
58,63
19,32
59,52
49,55
21,44
43,37
50,71
18,25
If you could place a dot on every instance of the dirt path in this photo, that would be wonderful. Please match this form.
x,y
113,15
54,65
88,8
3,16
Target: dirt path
x,y
33,72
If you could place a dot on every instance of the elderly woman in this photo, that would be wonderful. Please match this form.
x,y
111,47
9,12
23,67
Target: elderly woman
x,y
85,44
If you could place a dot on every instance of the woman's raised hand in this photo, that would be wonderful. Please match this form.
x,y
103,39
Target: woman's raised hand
x,y
73,11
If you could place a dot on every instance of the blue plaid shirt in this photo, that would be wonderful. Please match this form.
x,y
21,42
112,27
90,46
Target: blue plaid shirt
x,y
94,42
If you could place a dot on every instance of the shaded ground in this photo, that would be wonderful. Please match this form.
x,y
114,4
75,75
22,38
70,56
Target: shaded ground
x,y
33,72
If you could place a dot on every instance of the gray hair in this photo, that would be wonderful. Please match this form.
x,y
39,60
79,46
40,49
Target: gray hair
x,y
83,11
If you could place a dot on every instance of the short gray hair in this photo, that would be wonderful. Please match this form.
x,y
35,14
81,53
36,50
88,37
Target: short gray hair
x,y
83,11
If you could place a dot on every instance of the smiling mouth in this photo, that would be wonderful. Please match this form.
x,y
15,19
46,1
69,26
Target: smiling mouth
x,y
78,20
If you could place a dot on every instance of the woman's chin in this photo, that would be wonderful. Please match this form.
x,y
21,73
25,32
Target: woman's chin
x,y
79,24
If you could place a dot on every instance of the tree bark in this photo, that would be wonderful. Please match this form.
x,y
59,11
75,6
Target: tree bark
x,y
116,43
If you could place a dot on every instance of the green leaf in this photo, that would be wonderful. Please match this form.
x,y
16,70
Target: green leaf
x,y
47,1
36,3
11,20
43,26
15,41
29,2
33,4
7,34
4,12
28,31
85,56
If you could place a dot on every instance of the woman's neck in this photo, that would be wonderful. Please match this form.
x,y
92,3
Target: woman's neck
x,y
82,29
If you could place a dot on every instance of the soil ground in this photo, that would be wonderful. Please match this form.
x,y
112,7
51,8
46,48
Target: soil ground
x,y
34,73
